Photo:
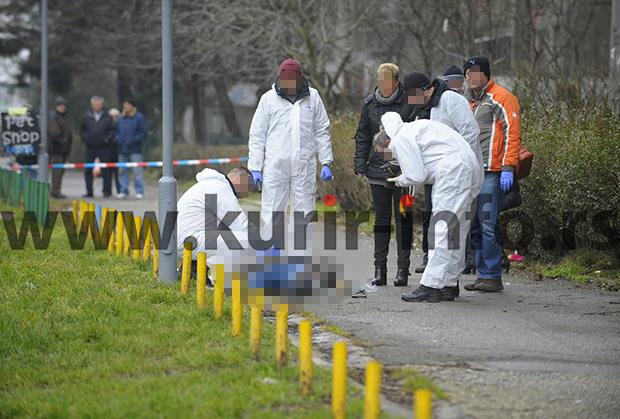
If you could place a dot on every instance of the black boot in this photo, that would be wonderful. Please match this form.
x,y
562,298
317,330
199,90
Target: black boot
x,y
450,293
505,263
469,270
402,278
423,293
380,278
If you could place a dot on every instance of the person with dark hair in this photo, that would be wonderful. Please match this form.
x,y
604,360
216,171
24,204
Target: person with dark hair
x,y
98,135
60,138
131,131
430,152
387,96
435,101
196,212
497,112
453,76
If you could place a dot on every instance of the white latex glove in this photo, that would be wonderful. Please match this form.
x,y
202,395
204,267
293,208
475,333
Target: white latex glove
x,y
396,181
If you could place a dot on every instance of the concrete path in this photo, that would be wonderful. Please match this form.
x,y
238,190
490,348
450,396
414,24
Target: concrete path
x,y
542,349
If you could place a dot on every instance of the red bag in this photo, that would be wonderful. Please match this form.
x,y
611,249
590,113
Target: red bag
x,y
525,163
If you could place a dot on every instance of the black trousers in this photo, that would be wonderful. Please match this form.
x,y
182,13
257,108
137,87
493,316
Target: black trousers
x,y
105,156
387,201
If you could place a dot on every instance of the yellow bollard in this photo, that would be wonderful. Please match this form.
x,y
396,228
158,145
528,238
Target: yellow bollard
x,y
218,292
127,239
422,403
137,251
281,334
112,241
185,270
146,254
256,316
155,263
237,307
75,210
104,214
82,210
93,208
339,380
119,234
372,394
201,280
305,356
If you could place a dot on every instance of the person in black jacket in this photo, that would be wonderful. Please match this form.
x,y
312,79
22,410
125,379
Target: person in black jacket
x,y
388,96
59,143
99,134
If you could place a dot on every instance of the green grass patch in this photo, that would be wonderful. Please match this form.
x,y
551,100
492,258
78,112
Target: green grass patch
x,y
585,266
412,380
88,334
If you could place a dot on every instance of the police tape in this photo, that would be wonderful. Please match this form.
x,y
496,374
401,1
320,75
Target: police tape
x,y
123,165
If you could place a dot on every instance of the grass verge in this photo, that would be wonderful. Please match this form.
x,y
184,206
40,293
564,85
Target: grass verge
x,y
585,267
87,334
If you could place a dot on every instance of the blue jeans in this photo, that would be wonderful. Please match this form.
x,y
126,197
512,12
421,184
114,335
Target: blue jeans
x,y
484,228
124,173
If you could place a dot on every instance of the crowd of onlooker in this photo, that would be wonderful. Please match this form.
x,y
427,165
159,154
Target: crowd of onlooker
x,y
109,136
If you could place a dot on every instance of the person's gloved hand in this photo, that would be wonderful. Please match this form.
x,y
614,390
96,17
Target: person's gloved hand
x,y
396,181
326,173
257,176
506,179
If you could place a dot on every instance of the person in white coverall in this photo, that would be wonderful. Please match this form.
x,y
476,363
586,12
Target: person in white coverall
x,y
435,101
289,128
430,152
205,205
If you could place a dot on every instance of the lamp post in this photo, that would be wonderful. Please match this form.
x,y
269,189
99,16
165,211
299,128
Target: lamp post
x,y
167,183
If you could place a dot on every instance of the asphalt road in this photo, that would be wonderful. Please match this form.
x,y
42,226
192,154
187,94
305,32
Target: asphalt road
x,y
543,349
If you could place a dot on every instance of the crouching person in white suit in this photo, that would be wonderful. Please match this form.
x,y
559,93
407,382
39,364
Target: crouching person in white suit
x,y
210,217
430,152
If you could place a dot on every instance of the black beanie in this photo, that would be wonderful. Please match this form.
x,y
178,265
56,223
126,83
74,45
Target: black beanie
x,y
481,62
131,101
453,73
415,81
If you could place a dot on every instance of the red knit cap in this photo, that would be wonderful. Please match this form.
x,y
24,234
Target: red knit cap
x,y
290,65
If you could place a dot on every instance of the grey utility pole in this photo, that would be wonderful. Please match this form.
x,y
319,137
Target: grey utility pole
x,y
43,157
614,58
167,183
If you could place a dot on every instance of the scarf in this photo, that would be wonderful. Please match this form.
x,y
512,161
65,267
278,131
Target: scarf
x,y
387,100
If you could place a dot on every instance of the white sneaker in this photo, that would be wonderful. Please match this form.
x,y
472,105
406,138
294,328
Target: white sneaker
x,y
121,195
139,196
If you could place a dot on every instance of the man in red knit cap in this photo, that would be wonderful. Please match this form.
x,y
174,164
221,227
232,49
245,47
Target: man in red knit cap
x,y
290,128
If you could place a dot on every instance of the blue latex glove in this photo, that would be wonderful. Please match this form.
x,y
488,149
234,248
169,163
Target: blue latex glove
x,y
326,173
257,176
506,179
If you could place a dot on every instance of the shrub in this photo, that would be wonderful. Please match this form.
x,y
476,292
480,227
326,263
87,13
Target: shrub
x,y
575,176
352,191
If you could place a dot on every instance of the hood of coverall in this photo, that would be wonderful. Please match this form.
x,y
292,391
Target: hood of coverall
x,y
392,122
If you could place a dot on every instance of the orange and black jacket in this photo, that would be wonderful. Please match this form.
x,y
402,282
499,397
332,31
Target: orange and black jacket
x,y
498,114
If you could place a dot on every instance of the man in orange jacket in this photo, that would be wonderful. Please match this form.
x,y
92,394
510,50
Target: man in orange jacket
x,y
497,112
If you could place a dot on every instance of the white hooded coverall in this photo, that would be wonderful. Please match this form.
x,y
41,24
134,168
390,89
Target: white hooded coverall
x,y
430,152
285,139
191,218
454,111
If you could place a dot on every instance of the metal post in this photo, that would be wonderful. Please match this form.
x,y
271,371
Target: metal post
x,y
43,157
614,58
167,183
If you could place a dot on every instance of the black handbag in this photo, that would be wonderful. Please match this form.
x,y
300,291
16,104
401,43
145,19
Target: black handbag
x,y
511,198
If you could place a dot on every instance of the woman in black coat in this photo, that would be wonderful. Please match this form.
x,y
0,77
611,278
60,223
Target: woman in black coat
x,y
388,96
